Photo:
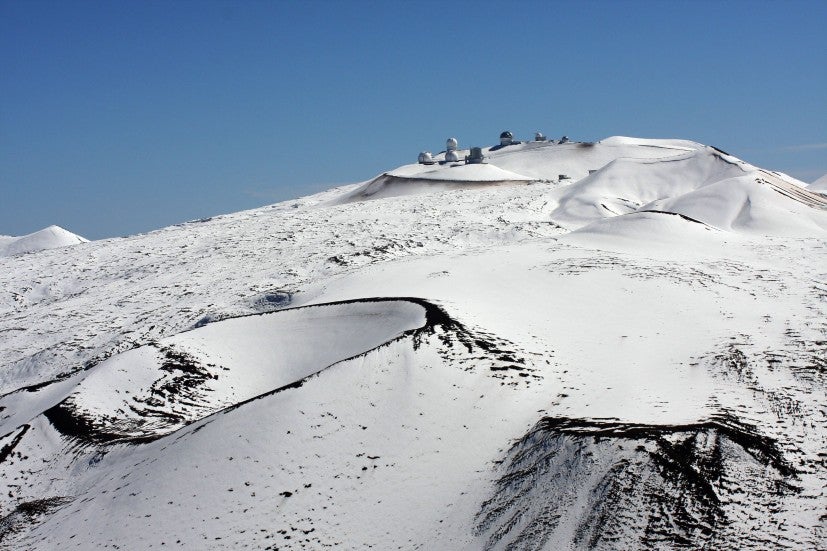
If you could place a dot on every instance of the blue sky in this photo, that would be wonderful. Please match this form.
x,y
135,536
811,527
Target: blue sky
x,y
123,117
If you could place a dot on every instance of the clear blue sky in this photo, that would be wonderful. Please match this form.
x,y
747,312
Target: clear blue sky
x,y
122,117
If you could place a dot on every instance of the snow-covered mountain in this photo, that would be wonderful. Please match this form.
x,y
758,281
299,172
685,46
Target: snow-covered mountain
x,y
51,237
611,345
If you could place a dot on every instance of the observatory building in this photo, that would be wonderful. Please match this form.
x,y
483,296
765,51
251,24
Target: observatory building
x,y
476,157
451,151
506,138
425,158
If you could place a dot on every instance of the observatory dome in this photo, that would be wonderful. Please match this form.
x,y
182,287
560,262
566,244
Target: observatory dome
x,y
425,158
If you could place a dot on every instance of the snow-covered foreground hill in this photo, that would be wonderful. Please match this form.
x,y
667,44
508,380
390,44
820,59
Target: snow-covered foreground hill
x,y
444,357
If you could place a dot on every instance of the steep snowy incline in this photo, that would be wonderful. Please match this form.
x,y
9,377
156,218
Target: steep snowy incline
x,y
626,185
750,203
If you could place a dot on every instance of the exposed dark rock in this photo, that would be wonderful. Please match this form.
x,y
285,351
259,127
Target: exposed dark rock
x,y
599,485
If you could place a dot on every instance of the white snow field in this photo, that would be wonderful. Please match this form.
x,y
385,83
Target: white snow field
x,y
47,238
492,356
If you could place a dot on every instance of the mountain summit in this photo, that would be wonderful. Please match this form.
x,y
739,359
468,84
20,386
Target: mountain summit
x,y
551,345
47,238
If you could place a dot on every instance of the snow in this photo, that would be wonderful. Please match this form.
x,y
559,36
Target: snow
x,y
239,359
418,179
461,173
819,185
703,185
738,204
464,357
47,238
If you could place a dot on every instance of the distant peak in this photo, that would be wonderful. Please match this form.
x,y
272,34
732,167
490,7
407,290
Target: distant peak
x,y
50,237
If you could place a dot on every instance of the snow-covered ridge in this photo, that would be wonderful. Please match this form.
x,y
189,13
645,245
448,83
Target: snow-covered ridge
x,y
628,357
465,173
619,176
158,388
47,238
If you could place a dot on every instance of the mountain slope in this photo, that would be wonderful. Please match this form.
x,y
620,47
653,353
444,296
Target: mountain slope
x,y
632,358
819,185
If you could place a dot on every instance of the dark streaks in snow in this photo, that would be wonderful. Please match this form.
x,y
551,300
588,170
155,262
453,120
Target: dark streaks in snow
x,y
177,397
28,513
7,449
605,485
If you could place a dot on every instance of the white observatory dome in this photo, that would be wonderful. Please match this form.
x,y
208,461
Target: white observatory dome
x,y
451,144
451,156
425,158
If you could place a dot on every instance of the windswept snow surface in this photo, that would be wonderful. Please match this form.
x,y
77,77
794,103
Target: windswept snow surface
x,y
444,357
47,238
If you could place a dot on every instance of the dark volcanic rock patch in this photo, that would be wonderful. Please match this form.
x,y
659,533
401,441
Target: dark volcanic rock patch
x,y
173,400
623,486
7,449
28,513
